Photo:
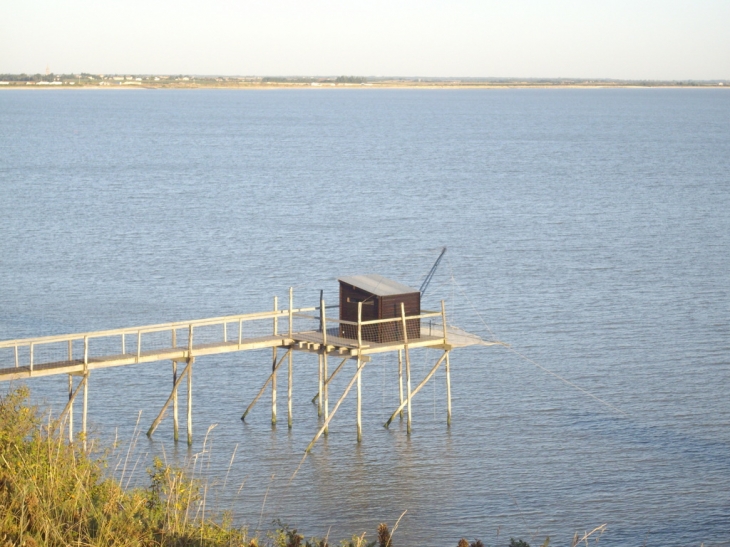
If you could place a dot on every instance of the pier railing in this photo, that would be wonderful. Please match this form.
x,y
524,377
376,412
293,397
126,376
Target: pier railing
x,y
135,342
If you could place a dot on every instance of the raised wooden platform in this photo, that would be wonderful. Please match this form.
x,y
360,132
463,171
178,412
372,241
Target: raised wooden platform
x,y
182,342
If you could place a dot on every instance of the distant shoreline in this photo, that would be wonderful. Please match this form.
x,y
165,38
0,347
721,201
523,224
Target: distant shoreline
x,y
23,85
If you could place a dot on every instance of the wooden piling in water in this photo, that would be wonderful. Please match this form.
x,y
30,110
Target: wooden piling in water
x,y
418,388
325,389
189,375
85,408
266,383
70,408
171,398
359,372
175,424
275,354
320,386
400,380
448,390
290,375
448,366
408,364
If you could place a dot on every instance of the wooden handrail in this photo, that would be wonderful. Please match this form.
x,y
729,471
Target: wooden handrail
x,y
160,327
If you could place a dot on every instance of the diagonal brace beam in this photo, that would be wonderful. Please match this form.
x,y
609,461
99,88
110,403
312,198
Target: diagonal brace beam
x,y
161,415
327,381
276,367
71,400
334,410
413,393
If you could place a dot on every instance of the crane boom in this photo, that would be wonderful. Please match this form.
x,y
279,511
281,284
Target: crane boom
x,y
432,271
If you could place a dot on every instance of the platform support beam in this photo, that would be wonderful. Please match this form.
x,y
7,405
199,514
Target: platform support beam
x,y
320,386
275,355
266,383
175,423
189,375
408,364
448,390
400,379
85,408
70,406
448,366
290,376
359,401
418,388
359,372
325,389
171,398
334,411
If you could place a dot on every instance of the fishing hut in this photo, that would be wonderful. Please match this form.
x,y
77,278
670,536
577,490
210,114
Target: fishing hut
x,y
376,315
380,298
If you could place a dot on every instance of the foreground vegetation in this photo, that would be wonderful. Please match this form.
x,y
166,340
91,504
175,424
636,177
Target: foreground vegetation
x,y
52,493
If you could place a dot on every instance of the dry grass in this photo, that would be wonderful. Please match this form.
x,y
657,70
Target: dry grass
x,y
54,494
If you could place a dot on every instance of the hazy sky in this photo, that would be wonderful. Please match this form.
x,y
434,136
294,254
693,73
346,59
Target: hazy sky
x,y
637,39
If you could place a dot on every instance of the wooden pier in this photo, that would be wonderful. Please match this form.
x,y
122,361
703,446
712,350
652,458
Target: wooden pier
x,y
285,331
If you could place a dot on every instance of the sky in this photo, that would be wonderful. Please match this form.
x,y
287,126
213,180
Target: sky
x,y
624,39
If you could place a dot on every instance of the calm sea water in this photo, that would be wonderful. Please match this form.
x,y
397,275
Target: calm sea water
x,y
589,228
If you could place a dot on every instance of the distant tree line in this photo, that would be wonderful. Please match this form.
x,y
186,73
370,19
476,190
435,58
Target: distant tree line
x,y
41,77
350,80
309,80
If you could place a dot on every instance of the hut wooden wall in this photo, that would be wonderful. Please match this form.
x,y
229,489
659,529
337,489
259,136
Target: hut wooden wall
x,y
378,307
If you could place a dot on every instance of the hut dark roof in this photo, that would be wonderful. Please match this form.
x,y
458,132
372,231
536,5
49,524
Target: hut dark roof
x,y
377,284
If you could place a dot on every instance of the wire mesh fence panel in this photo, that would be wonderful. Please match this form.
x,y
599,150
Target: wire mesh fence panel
x,y
391,331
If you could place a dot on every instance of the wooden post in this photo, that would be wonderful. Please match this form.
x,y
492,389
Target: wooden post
x,y
290,376
275,352
175,425
448,390
191,360
319,388
70,351
325,389
139,344
290,382
359,325
17,364
400,379
359,400
71,408
359,375
328,380
266,383
189,377
173,394
418,388
31,357
273,387
291,311
408,363
443,320
448,367
86,405
334,411
124,349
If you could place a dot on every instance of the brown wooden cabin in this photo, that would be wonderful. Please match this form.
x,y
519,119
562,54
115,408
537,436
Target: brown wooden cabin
x,y
381,299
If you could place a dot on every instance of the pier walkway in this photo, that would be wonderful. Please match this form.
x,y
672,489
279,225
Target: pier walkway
x,y
289,330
